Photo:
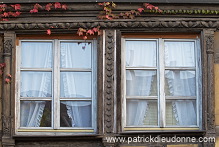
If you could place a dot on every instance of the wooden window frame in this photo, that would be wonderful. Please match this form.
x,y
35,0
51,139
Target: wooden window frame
x,y
160,79
55,129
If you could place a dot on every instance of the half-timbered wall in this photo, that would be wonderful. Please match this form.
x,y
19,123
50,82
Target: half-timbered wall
x,y
109,68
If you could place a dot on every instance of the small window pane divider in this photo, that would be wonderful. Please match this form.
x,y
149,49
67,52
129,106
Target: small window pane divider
x,y
180,98
35,98
141,68
141,97
76,70
75,99
180,68
37,69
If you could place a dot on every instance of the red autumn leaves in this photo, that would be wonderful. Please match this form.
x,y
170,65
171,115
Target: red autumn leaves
x,y
105,14
8,77
9,11
48,7
108,15
84,32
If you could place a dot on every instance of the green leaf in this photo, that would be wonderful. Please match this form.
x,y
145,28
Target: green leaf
x,y
173,11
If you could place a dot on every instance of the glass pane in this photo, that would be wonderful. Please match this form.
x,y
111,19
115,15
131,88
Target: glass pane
x,y
141,53
180,83
146,110
35,114
75,114
181,113
75,84
75,55
141,83
180,54
36,54
36,84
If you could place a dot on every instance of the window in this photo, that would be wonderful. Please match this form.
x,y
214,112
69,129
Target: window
x,y
56,86
161,83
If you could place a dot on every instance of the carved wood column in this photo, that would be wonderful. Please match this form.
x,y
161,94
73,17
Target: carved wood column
x,y
109,48
7,100
208,88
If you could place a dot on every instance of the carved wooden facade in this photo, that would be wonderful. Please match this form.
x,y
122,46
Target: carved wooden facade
x,y
109,66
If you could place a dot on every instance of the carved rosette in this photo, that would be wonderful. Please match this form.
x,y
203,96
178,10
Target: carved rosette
x,y
109,82
7,47
6,125
210,44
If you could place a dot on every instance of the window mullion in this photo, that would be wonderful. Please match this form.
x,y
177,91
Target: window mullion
x,y
161,66
56,90
123,79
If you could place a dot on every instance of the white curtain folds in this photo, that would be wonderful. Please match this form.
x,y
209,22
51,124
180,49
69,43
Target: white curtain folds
x,y
139,82
76,84
181,83
79,112
34,84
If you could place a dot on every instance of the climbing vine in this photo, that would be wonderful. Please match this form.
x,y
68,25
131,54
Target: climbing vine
x,y
10,11
107,12
8,77
2,66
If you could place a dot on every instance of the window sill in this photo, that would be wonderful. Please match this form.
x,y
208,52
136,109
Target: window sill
x,y
159,129
51,133
59,130
196,132
58,136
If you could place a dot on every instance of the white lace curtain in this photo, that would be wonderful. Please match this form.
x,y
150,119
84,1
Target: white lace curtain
x,y
34,84
38,84
180,83
76,84
139,82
